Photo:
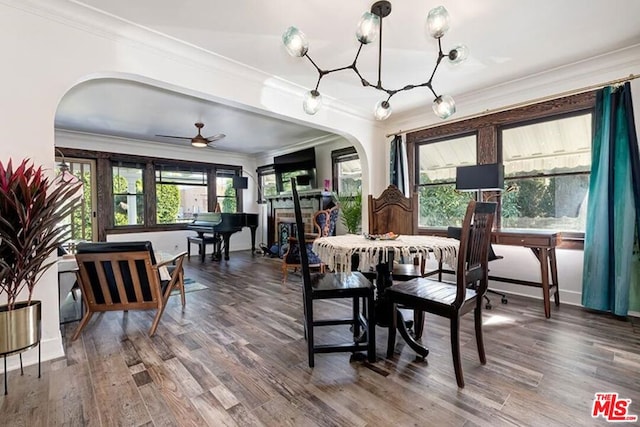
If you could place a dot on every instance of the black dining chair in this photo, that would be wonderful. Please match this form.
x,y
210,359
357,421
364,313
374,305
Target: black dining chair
x,y
455,233
321,286
452,300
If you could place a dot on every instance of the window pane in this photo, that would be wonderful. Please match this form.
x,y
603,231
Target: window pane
x,y
349,177
179,194
437,161
442,205
176,176
551,147
80,220
226,194
548,164
269,187
556,203
178,203
286,180
128,197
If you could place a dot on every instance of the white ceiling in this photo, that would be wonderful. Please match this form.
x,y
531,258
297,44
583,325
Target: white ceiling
x,y
134,110
507,39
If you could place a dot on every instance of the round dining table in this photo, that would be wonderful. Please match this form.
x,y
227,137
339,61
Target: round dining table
x,y
337,251
366,254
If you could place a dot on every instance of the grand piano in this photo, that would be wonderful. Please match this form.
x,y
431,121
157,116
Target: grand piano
x,y
222,225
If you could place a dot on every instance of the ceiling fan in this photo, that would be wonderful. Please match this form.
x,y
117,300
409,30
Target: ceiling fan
x,y
198,140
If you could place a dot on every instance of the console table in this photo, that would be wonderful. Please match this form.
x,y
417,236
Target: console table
x,y
543,244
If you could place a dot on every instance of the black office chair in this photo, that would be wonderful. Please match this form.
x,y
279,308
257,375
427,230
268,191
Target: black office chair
x,y
319,286
455,233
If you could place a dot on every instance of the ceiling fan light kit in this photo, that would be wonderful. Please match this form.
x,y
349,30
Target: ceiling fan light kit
x,y
198,141
369,27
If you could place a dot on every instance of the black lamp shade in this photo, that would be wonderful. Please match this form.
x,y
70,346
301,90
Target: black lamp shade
x,y
303,179
240,182
480,177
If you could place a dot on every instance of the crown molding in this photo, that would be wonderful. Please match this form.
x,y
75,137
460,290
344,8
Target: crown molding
x,y
571,77
75,14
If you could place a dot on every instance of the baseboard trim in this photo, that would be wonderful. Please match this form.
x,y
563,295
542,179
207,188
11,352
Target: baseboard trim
x,y
50,349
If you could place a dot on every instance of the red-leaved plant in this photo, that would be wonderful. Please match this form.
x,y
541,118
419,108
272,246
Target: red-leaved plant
x,y
32,210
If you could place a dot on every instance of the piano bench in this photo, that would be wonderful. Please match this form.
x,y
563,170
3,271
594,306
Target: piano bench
x,y
202,243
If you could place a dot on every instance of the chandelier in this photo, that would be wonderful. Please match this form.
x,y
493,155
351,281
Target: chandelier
x,y
370,27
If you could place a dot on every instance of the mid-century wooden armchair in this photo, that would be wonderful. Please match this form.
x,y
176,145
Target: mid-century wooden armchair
x,y
125,276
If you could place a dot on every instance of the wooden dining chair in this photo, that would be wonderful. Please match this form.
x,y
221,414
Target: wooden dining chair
x,y
393,212
122,276
322,286
455,233
452,300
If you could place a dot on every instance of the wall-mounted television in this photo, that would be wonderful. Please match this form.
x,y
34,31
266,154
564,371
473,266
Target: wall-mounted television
x,y
298,163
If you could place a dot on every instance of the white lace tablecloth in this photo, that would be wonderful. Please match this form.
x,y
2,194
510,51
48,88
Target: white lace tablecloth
x,y
336,251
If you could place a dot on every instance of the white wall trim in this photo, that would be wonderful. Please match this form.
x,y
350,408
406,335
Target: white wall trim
x,y
50,349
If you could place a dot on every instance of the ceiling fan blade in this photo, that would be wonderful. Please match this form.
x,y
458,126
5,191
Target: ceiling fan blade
x,y
174,136
216,137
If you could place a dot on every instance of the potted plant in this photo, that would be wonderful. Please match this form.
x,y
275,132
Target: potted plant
x,y
32,210
351,212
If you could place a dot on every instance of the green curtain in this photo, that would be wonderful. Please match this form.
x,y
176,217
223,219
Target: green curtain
x,y
398,169
611,266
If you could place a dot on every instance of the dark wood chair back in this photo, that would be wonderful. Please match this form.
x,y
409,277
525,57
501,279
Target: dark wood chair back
x,y
302,240
350,285
392,211
475,240
452,300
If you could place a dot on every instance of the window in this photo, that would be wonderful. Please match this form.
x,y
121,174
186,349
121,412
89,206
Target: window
x,y
179,194
347,172
81,220
547,168
227,197
266,183
545,150
128,195
436,161
151,194
285,179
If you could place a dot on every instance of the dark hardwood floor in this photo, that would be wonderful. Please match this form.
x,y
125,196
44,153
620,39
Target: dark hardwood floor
x,y
236,356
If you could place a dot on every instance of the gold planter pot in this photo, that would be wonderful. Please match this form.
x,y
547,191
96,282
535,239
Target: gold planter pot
x,y
20,328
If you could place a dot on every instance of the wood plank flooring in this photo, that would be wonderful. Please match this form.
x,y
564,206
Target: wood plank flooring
x,y
236,356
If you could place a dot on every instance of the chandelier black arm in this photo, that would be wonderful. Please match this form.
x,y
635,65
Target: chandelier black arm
x,y
427,84
322,73
435,68
391,92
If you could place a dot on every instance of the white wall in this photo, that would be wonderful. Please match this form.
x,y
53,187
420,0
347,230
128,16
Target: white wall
x,y
48,47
